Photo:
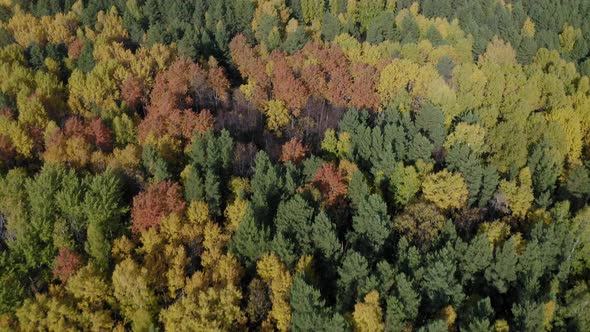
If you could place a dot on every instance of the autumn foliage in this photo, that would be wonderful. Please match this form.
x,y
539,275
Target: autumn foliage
x,y
75,143
67,263
159,200
363,165
175,102
293,151
331,183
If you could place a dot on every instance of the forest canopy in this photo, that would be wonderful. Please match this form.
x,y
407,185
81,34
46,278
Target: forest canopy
x,y
294,165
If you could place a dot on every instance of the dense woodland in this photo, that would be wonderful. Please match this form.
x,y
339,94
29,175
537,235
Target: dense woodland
x,y
295,165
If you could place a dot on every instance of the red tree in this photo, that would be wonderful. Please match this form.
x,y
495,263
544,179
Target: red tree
x,y
75,48
251,66
7,152
100,134
364,86
218,81
75,127
293,151
132,91
159,200
330,182
286,86
67,263
171,107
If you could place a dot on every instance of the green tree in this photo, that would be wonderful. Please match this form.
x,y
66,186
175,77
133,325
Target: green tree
x,y
250,240
309,310
439,282
409,30
325,239
330,27
578,182
104,211
502,273
213,193
293,220
352,275
545,168
86,59
371,225
266,187
155,164
430,120
194,185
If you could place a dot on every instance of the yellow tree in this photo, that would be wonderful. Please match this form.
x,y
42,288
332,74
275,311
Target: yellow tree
x,y
500,52
211,296
568,37
528,28
473,135
138,302
277,116
277,276
519,193
61,28
95,90
368,315
445,189
405,75
26,29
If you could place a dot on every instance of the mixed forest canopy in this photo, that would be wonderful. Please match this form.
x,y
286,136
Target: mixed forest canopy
x,y
295,165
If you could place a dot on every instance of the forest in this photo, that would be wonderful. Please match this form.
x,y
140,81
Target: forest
x,y
295,165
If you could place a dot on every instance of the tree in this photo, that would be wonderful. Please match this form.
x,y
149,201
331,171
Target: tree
x,y
276,275
578,182
250,240
499,52
330,26
324,237
518,193
293,220
367,315
330,182
159,200
370,225
545,168
471,135
439,283
310,311
137,300
266,187
259,303
404,183
352,276
293,151
421,222
430,120
103,208
67,263
155,164
445,66
410,30
502,273
446,190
